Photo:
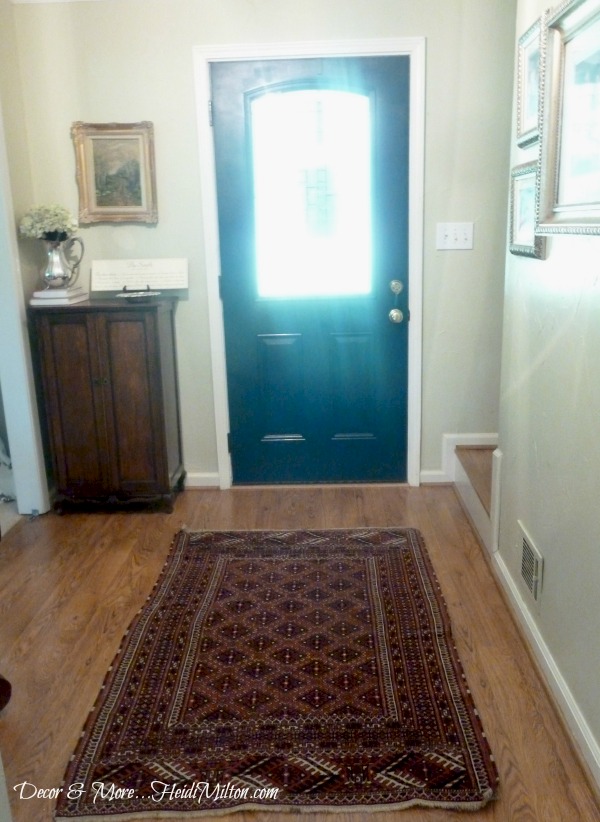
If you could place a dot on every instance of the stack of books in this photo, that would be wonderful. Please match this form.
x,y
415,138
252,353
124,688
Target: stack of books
x,y
60,296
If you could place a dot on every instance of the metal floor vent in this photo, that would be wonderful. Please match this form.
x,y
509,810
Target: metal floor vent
x,y
532,564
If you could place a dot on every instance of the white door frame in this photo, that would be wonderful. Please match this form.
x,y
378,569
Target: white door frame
x,y
414,47
16,375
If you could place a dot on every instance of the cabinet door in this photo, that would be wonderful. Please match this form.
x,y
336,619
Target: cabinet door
x,y
131,379
73,402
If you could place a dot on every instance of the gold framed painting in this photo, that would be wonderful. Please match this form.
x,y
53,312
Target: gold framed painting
x,y
116,173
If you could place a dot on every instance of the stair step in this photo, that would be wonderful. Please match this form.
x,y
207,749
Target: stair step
x,y
477,462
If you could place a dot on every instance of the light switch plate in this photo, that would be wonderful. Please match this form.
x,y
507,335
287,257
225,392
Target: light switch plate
x,y
449,236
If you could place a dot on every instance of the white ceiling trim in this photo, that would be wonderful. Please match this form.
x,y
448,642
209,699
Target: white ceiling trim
x,y
22,2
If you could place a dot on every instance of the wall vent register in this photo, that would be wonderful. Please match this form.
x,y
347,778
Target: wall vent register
x,y
532,564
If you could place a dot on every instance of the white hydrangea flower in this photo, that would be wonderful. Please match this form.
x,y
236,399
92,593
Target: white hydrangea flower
x,y
49,222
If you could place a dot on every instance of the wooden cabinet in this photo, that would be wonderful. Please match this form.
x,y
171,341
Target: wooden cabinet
x,y
108,394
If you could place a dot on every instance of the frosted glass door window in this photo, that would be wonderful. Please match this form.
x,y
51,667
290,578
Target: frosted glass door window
x,y
311,152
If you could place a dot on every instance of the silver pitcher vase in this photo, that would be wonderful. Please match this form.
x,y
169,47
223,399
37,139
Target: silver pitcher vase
x,y
62,263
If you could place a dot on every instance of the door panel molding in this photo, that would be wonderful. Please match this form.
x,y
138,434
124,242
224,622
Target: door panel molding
x,y
414,48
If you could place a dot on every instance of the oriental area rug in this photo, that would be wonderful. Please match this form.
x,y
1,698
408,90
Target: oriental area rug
x,y
297,670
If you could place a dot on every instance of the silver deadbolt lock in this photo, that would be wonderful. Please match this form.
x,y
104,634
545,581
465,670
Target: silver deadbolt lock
x,y
396,286
396,316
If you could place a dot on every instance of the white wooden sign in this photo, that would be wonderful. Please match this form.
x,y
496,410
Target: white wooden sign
x,y
138,275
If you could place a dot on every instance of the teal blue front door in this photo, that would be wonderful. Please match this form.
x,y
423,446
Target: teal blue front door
x,y
312,189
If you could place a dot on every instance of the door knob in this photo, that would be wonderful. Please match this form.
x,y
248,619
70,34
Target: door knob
x,y
396,316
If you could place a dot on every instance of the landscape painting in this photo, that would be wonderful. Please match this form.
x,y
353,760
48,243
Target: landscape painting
x,y
115,172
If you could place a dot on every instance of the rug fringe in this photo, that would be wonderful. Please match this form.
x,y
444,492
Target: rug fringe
x,y
305,810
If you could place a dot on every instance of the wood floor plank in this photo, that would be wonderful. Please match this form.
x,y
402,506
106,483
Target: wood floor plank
x,y
70,585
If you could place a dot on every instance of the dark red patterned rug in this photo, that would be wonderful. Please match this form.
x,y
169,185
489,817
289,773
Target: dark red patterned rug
x,y
284,670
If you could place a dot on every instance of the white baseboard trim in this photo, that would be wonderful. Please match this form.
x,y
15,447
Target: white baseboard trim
x,y
202,480
564,700
495,504
433,478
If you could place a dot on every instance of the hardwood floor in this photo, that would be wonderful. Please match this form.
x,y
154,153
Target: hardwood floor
x,y
70,585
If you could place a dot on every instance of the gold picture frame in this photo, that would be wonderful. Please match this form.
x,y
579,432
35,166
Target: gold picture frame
x,y
116,173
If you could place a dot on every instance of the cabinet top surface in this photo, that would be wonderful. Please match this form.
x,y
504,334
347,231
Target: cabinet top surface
x,y
107,305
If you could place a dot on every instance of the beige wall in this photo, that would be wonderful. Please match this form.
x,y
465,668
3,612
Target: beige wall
x,y
11,96
550,438
128,60
13,109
